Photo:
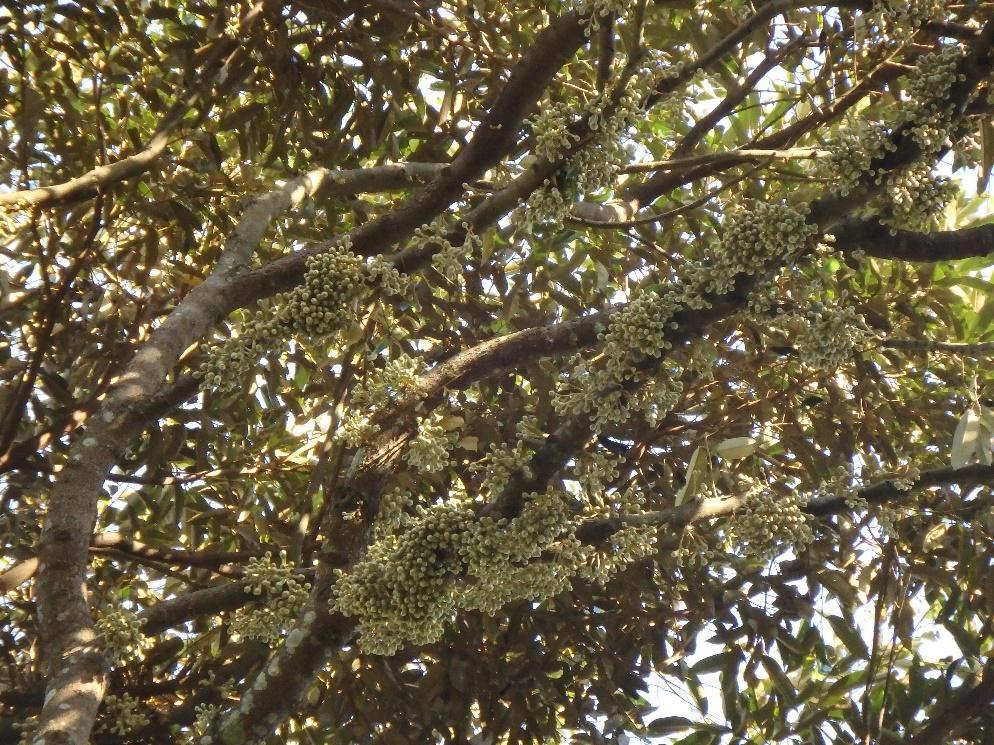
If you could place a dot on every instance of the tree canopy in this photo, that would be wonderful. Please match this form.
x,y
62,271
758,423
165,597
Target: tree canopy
x,y
472,371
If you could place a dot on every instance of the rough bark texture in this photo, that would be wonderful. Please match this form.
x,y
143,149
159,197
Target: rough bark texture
x,y
73,652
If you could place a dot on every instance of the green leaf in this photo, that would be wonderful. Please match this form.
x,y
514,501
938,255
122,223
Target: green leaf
x,y
668,725
697,469
714,663
849,636
966,439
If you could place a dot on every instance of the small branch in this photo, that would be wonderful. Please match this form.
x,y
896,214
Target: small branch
x,y
18,574
768,11
599,209
176,556
598,530
221,58
730,158
605,57
735,96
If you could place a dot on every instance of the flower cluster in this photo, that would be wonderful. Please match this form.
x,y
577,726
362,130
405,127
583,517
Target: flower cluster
x,y
594,473
428,451
502,461
384,274
402,591
283,595
894,21
595,11
547,204
767,522
608,115
551,130
594,391
326,299
592,167
28,729
915,197
409,585
755,236
124,714
450,258
228,364
658,396
627,546
928,88
392,514
912,196
852,153
693,551
429,561
323,303
642,330
499,546
201,725
830,337
888,518
122,632
909,12
397,379
533,581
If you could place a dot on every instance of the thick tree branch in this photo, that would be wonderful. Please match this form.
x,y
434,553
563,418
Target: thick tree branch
x,y
72,650
319,630
209,601
256,715
491,141
871,236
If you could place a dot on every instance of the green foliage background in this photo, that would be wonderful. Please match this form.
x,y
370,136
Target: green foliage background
x,y
822,643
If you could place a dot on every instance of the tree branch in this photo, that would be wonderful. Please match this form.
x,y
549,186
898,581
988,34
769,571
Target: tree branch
x,y
598,530
491,141
222,58
319,628
967,349
871,236
730,158
72,651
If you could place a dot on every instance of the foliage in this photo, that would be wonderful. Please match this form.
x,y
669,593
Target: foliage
x,y
562,352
